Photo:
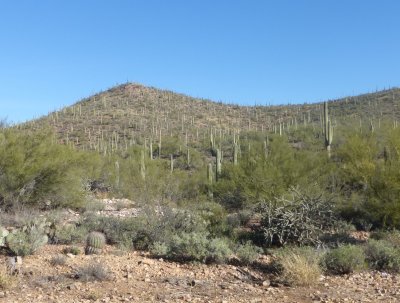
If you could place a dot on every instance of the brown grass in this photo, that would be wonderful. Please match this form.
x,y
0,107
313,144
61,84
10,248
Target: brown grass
x,y
300,267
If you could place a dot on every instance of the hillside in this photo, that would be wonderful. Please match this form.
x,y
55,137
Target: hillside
x,y
254,193
129,114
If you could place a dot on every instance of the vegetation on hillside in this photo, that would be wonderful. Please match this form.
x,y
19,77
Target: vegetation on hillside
x,y
214,180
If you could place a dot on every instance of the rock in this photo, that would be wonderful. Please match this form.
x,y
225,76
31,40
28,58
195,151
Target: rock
x,y
266,283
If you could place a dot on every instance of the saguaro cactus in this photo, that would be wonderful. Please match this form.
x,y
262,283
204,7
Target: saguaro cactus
x,y
188,157
142,165
235,154
328,129
218,164
151,149
209,173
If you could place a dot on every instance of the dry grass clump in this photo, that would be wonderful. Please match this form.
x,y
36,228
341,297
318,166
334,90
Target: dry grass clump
x,y
299,266
6,279
58,260
94,271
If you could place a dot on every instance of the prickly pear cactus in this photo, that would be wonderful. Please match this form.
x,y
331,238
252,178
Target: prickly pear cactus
x,y
95,242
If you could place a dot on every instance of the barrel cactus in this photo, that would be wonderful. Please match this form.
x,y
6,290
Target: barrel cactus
x,y
95,242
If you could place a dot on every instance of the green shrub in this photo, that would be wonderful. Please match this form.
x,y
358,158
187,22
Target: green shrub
x,y
248,253
69,234
382,255
36,172
344,260
159,249
218,251
393,237
299,266
149,227
189,246
23,243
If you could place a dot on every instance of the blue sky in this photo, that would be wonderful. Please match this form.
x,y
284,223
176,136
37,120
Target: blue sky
x,y
53,53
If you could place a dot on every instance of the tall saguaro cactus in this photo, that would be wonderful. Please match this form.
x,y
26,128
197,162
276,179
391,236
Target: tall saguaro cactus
x,y
210,180
171,163
142,165
218,164
328,129
235,154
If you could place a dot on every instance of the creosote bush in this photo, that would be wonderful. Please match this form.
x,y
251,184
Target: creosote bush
x,y
344,260
382,255
219,251
69,234
247,253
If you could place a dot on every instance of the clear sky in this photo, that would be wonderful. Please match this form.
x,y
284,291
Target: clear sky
x,y
53,52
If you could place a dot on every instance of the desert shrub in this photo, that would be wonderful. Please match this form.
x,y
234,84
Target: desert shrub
x,y
193,247
393,237
218,250
299,266
152,225
35,172
247,253
23,243
71,250
159,249
69,234
94,271
188,246
334,240
382,255
215,217
344,260
300,219
115,229
58,260
125,244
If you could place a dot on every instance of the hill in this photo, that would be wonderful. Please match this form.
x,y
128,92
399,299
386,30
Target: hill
x,y
130,114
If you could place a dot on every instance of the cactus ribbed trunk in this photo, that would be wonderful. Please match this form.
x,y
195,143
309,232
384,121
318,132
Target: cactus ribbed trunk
x,y
116,174
210,180
151,149
218,164
159,146
142,165
328,129
235,154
